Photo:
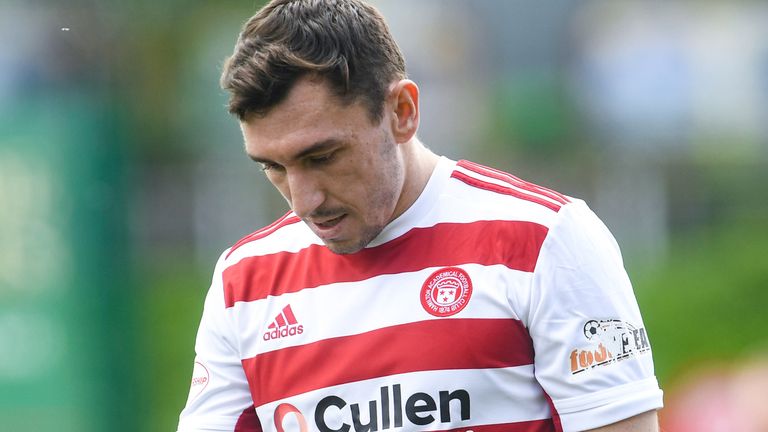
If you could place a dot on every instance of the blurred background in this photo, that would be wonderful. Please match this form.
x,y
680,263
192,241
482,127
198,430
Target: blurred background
x,y
122,178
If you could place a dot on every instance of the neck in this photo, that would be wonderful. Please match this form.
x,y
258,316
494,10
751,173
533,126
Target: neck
x,y
419,164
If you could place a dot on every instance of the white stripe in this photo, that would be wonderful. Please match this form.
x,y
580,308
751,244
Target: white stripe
x,y
288,238
388,300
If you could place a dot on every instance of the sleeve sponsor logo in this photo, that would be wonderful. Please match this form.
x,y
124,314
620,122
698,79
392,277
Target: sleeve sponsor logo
x,y
200,380
610,341
446,292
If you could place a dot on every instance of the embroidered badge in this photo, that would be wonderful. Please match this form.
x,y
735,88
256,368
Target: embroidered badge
x,y
446,292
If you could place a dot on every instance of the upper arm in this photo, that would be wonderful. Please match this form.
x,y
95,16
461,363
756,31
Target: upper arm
x,y
593,356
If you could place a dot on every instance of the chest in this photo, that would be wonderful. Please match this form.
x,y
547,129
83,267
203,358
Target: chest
x,y
449,318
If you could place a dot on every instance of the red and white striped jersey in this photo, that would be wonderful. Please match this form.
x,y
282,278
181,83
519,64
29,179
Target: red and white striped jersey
x,y
491,305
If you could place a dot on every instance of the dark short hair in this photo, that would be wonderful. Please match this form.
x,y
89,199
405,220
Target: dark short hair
x,y
345,42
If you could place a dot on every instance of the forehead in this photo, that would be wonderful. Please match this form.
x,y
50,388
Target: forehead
x,y
309,105
310,113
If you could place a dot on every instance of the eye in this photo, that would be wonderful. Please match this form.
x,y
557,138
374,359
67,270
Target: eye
x,y
322,159
269,166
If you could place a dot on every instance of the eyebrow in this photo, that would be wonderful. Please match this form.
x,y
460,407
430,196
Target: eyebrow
x,y
317,147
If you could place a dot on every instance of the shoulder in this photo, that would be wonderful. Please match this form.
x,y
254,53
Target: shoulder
x,y
478,192
580,243
504,184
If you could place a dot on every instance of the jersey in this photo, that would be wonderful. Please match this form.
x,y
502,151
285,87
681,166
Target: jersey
x,y
491,304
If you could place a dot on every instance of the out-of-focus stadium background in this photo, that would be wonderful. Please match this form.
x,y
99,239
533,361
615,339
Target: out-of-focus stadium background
x,y
122,178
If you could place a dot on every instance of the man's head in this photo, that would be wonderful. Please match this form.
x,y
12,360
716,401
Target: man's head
x,y
345,42
319,87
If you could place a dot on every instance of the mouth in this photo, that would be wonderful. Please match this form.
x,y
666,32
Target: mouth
x,y
330,223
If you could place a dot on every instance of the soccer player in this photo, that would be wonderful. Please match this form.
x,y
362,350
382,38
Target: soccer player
x,y
404,290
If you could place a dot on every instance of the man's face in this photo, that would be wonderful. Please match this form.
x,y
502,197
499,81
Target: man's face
x,y
340,173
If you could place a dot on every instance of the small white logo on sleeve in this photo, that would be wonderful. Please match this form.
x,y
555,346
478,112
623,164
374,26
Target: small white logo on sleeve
x,y
200,380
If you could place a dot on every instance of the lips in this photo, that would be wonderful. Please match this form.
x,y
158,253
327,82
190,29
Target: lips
x,y
330,223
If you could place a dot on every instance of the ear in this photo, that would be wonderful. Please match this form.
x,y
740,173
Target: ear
x,y
404,98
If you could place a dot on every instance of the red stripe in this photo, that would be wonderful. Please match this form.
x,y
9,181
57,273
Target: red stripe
x,y
248,421
527,426
493,187
514,244
289,315
475,344
286,220
504,176
555,414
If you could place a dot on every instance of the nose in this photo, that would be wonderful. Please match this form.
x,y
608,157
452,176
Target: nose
x,y
305,192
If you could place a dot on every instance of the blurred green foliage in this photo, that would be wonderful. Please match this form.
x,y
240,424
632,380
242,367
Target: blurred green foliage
x,y
706,304
531,112
169,309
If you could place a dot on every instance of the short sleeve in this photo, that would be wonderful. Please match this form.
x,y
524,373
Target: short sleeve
x,y
592,352
219,397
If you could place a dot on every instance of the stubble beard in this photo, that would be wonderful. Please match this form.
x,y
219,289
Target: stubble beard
x,y
384,200
366,238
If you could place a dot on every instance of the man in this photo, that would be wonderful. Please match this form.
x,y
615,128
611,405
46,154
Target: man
x,y
404,291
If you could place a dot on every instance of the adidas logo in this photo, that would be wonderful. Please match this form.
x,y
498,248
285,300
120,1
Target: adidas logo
x,y
284,325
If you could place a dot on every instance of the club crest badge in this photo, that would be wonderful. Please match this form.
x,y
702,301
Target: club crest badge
x,y
446,292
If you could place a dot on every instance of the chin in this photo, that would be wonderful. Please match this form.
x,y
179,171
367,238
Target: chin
x,y
344,248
